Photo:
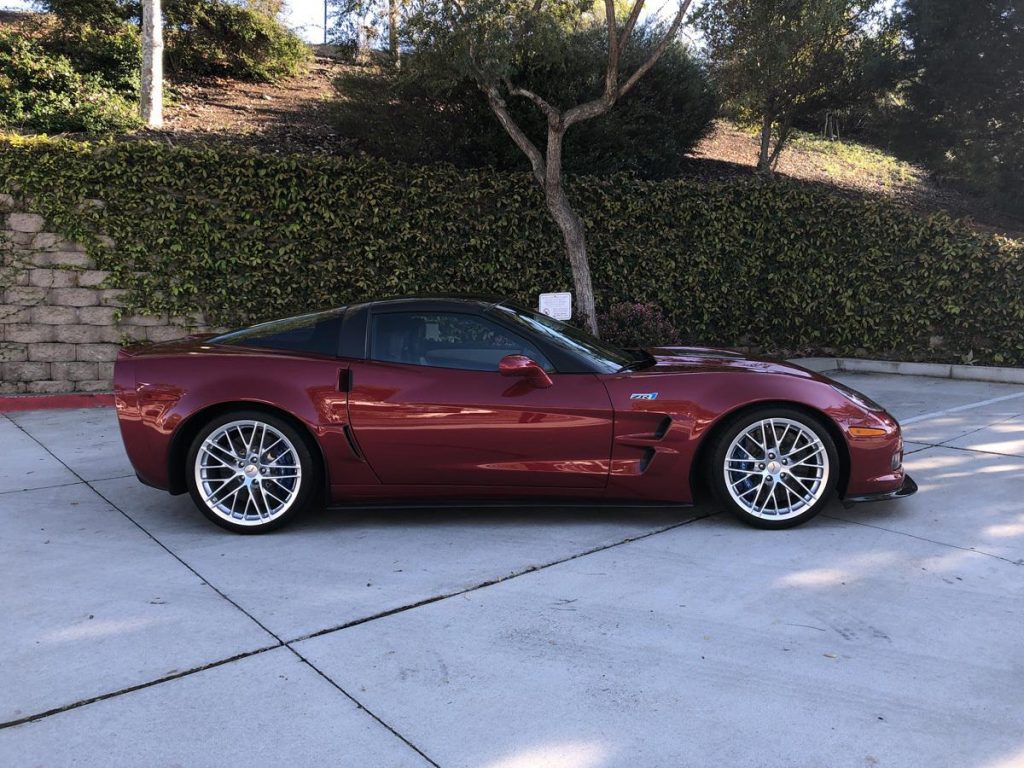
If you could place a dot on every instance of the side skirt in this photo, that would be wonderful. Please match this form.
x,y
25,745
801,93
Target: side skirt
x,y
498,504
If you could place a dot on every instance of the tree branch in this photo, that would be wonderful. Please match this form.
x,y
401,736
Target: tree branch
x,y
644,68
627,29
547,109
611,72
528,148
612,91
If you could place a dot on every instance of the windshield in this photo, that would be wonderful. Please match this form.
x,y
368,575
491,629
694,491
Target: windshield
x,y
607,357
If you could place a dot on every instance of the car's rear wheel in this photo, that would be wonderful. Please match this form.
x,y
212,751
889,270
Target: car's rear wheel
x,y
775,467
251,472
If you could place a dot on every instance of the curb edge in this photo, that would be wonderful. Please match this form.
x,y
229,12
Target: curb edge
x,y
894,367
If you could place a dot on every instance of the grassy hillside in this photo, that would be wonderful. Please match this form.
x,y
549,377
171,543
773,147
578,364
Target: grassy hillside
x,y
854,167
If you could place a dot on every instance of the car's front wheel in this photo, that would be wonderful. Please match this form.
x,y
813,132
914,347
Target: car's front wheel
x,y
775,467
250,472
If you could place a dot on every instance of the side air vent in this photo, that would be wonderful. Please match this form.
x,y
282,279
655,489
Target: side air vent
x,y
352,442
663,427
646,460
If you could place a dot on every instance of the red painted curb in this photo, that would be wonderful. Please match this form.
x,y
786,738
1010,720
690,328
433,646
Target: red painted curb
x,y
10,403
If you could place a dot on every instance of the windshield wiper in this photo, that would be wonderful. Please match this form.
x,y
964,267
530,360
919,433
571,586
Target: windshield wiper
x,y
640,363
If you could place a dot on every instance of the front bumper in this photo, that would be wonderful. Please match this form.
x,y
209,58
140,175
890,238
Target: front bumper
x,y
908,488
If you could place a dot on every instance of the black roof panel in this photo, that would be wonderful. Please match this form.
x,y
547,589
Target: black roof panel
x,y
432,302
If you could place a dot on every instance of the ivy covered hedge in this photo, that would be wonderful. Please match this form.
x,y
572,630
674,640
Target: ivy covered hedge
x,y
245,236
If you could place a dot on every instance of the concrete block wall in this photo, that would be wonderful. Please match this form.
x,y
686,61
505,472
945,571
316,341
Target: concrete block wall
x,y
58,331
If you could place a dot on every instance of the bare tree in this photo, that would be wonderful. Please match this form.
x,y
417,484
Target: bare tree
x,y
151,98
471,33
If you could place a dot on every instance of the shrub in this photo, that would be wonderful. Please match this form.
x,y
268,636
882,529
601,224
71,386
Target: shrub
x,y
113,53
411,118
247,236
43,92
99,13
201,37
211,37
637,324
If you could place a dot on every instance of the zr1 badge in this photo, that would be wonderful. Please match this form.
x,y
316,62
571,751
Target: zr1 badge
x,y
644,396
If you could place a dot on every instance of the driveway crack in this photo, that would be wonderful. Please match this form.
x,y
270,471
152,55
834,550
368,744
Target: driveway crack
x,y
924,538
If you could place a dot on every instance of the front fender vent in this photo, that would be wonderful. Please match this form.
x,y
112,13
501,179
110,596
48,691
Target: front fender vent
x,y
352,442
646,460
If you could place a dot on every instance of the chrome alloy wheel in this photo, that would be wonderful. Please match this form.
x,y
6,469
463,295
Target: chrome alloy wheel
x,y
776,469
248,472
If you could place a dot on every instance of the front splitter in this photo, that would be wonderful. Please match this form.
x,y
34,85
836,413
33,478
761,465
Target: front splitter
x,y
909,488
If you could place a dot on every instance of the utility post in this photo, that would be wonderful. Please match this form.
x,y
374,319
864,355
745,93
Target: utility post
x,y
151,99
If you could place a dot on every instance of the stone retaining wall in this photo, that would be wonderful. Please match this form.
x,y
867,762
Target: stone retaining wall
x,y
58,331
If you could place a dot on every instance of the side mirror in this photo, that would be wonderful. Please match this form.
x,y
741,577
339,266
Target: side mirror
x,y
521,365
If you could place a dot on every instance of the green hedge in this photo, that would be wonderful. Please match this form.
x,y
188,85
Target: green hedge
x,y
247,236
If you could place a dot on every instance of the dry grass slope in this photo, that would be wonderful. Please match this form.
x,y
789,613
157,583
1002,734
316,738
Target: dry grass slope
x,y
853,167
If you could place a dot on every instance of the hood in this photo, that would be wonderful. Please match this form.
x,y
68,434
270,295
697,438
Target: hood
x,y
708,360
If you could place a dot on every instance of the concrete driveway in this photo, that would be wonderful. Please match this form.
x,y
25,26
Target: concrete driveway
x,y
133,632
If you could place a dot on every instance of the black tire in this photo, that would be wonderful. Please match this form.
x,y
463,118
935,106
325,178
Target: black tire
x,y
781,486
268,473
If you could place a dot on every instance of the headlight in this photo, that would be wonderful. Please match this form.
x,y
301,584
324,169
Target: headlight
x,y
863,401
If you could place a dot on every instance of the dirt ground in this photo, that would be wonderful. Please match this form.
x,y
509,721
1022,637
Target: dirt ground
x,y
290,116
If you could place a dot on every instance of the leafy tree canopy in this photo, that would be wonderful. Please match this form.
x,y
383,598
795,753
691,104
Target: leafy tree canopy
x,y
965,97
779,61
426,112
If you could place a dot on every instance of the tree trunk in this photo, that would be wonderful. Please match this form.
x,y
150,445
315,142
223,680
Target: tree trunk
x,y
393,32
575,239
547,168
151,96
780,142
363,39
571,226
764,158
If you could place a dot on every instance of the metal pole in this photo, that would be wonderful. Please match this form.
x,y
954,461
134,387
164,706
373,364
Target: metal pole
x,y
325,22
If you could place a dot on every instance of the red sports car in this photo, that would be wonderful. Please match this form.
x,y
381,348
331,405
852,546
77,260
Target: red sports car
x,y
459,399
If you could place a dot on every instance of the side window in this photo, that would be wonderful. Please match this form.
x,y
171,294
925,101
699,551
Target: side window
x,y
316,334
446,340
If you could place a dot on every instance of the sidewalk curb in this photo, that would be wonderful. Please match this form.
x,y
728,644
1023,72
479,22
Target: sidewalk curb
x,y
12,403
934,370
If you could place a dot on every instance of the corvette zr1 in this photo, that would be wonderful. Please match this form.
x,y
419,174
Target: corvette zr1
x,y
473,399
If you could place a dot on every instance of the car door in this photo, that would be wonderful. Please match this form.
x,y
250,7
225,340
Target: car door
x,y
429,407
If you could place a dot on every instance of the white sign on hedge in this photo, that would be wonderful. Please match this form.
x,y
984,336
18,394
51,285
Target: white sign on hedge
x,y
556,305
